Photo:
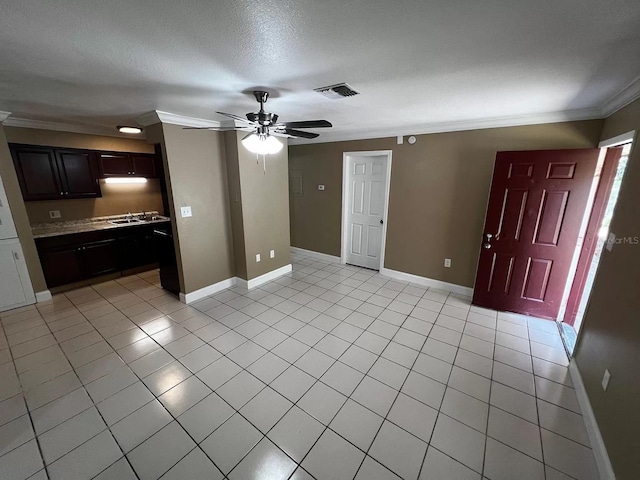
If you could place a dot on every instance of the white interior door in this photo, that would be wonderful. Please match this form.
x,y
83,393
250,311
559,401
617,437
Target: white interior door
x,y
7,228
366,182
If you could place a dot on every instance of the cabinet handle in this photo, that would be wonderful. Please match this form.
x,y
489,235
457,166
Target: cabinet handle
x,y
15,255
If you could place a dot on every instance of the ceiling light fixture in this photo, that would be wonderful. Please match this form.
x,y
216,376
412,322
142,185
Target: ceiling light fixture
x,y
125,180
261,144
127,129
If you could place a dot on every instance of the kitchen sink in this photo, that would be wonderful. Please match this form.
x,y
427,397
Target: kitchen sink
x,y
126,221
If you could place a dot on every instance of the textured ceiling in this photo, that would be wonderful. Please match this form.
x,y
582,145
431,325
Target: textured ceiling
x,y
416,63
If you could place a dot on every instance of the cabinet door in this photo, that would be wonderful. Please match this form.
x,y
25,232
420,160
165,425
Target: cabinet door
x,y
11,289
143,165
114,164
37,171
79,173
61,266
99,258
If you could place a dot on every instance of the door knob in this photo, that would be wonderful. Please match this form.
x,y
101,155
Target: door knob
x,y
487,246
381,222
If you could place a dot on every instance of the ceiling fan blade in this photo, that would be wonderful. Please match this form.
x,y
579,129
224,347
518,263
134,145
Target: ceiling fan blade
x,y
216,129
307,124
297,133
235,117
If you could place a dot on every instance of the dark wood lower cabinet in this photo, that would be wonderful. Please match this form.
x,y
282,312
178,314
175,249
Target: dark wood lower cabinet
x,y
70,258
61,266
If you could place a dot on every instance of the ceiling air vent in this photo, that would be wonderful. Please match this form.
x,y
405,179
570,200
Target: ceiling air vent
x,y
337,91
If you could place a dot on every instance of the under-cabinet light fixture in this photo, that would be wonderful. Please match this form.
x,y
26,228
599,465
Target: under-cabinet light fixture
x,y
128,129
124,180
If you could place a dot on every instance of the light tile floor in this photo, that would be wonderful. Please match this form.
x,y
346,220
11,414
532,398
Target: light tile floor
x,y
332,372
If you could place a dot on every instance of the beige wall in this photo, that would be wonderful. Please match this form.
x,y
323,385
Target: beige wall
x,y
260,208
115,200
195,166
610,336
438,197
19,213
34,136
235,204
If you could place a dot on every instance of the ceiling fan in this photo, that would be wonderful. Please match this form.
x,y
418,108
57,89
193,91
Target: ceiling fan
x,y
263,127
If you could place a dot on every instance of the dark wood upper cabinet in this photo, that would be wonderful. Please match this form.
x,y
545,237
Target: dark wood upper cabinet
x,y
122,164
52,174
143,165
37,171
114,164
79,173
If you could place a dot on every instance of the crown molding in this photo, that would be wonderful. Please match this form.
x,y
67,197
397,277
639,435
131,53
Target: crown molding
x,y
445,127
158,116
65,127
628,94
4,116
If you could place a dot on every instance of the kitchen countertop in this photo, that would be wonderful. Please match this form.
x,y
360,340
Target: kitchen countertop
x,y
53,229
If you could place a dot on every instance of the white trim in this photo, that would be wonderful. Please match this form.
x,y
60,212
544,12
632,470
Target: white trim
x,y
66,127
618,140
262,279
43,296
345,190
206,291
4,116
427,282
623,98
158,116
595,437
456,126
319,255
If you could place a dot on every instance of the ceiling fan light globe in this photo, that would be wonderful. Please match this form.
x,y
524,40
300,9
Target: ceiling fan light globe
x,y
262,145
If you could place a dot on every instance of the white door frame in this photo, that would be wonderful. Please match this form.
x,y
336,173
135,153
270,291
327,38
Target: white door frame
x,y
346,193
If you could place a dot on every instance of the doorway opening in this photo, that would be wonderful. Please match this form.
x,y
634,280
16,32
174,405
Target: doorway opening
x,y
594,241
366,180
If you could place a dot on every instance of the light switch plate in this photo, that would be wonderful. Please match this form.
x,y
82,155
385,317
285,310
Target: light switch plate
x,y
257,257
185,212
610,241
605,380
447,262
272,253
400,140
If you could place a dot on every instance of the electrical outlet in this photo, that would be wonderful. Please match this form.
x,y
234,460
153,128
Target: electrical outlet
x,y
605,380
272,253
54,214
257,257
321,188
447,262
185,212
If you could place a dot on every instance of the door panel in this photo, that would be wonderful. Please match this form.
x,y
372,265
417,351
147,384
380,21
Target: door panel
x,y
143,165
37,171
11,289
7,227
366,210
79,174
114,164
536,208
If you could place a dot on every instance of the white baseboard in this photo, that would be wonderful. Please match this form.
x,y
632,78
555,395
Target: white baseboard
x,y
43,296
318,255
427,282
267,277
597,443
206,291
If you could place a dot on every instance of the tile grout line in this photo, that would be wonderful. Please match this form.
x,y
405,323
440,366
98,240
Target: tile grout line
x,y
33,429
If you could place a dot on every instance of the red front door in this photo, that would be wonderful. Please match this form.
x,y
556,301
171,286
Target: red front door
x,y
536,207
